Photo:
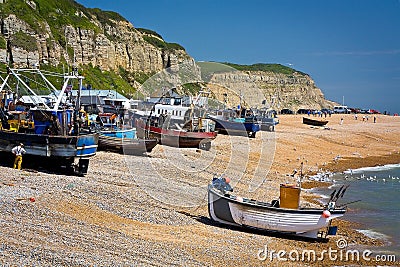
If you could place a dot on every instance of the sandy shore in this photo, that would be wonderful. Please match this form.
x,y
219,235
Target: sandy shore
x,y
151,211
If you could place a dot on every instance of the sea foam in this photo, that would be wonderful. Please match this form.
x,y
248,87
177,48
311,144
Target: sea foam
x,y
374,234
373,169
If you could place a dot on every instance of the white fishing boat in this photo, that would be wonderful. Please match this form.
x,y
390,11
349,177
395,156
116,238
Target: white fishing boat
x,y
283,215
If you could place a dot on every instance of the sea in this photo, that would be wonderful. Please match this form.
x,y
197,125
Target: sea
x,y
376,192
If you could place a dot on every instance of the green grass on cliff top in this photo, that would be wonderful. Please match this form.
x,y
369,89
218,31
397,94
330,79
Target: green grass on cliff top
x,y
275,68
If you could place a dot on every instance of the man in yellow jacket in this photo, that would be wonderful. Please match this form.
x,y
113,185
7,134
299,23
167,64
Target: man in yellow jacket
x,y
18,151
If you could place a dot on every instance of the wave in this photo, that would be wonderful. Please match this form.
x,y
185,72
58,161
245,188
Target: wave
x,y
374,235
373,169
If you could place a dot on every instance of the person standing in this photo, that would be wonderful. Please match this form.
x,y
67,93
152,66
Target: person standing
x,y
18,151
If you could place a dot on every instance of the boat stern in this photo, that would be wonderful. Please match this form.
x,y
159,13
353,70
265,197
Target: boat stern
x,y
86,145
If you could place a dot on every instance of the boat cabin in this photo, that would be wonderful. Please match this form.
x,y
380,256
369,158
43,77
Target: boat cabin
x,y
51,122
109,120
241,115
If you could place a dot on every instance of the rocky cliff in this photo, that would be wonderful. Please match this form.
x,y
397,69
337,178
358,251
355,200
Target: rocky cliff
x,y
265,88
55,33
126,48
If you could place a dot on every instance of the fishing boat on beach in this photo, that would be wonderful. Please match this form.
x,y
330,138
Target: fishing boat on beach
x,y
267,119
195,133
115,141
46,128
312,122
179,108
283,215
176,124
115,136
236,122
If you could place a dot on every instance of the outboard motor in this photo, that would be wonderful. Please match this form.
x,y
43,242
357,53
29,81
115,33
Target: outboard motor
x,y
222,184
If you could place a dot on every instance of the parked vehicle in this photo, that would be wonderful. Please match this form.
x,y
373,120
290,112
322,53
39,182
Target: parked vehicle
x,y
327,111
354,110
303,111
287,111
341,109
365,111
374,111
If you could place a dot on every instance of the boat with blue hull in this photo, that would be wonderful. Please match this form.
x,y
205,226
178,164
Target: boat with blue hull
x,y
51,130
116,137
125,141
120,133
267,119
236,122
51,146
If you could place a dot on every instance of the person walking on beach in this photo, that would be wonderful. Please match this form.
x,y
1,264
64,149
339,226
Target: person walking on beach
x,y
374,119
18,151
341,121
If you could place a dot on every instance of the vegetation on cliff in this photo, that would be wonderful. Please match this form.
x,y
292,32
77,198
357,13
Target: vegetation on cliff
x,y
157,40
23,40
275,68
3,43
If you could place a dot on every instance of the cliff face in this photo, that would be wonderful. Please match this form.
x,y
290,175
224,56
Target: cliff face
x,y
119,45
110,43
276,90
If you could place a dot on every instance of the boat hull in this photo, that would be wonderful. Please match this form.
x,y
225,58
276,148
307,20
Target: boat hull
x,y
51,146
236,128
126,133
176,138
267,124
314,122
229,210
128,146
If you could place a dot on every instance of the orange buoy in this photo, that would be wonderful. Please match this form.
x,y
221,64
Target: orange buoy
x,y
326,214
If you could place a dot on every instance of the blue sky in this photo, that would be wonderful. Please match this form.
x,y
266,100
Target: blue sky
x,y
351,48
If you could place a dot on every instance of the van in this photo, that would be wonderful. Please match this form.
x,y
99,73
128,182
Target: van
x,y
341,109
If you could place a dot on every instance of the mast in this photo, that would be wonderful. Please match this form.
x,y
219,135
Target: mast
x,y
301,174
77,123
16,75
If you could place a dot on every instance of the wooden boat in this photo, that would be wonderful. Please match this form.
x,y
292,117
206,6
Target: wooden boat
x,y
279,216
44,132
125,141
196,133
233,122
312,122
